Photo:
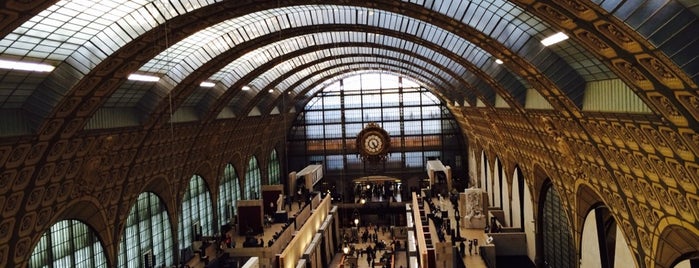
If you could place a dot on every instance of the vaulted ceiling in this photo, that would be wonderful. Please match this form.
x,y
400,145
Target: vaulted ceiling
x,y
287,51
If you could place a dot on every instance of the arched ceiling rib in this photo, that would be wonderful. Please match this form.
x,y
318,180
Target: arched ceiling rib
x,y
326,31
352,53
153,7
499,28
327,67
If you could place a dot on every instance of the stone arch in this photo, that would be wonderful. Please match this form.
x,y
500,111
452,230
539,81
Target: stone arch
x,y
589,203
89,212
554,229
677,241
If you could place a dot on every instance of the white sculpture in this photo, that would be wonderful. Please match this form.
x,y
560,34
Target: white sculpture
x,y
280,203
473,205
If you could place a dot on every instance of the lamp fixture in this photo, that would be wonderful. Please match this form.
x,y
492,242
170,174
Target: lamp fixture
x,y
245,88
25,66
553,39
271,90
207,84
498,61
356,222
345,250
143,78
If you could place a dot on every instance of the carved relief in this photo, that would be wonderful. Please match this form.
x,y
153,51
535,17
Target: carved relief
x,y
554,15
689,101
677,143
632,74
630,234
22,249
693,178
683,205
650,215
12,204
6,179
660,71
659,143
663,171
624,136
34,199
667,108
27,223
651,197
617,36
636,212
691,139
641,138
664,199
580,11
694,203
634,163
43,219
648,168
6,228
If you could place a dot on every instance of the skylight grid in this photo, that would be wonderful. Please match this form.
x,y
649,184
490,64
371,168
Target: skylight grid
x,y
255,30
376,66
64,22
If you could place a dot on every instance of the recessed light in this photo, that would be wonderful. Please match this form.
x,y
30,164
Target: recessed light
x,y
25,66
207,84
143,78
558,37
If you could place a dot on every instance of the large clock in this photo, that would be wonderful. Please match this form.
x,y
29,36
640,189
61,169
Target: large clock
x,y
373,143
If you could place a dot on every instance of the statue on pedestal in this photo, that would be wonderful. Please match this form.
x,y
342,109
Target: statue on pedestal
x,y
280,203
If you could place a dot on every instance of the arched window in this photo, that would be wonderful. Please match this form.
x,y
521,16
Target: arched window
x,y
147,230
274,171
196,217
253,179
68,243
419,124
228,194
557,242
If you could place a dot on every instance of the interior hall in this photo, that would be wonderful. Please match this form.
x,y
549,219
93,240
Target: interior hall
x,y
353,134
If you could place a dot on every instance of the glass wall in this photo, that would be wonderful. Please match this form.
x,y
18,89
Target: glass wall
x,y
147,230
197,212
419,124
557,241
253,179
68,243
228,194
273,168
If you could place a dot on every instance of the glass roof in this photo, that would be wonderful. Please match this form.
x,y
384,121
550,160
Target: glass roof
x,y
90,31
243,65
201,47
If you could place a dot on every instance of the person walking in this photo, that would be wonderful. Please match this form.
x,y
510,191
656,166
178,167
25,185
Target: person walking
x,y
462,247
470,247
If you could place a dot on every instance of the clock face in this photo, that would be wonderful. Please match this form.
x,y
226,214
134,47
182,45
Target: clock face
x,y
373,144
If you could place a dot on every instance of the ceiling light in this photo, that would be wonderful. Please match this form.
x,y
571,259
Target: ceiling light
x,y
207,84
144,78
25,66
245,88
271,90
288,92
498,61
558,37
